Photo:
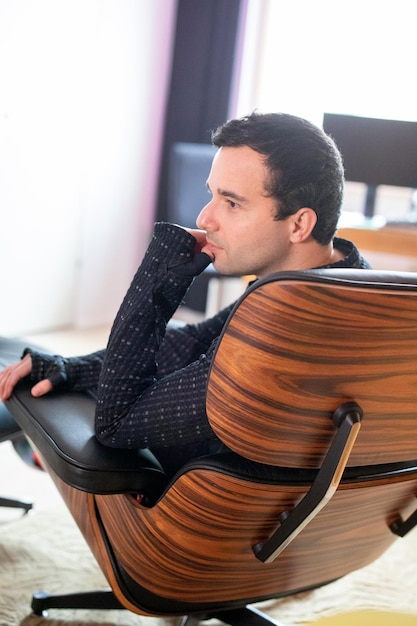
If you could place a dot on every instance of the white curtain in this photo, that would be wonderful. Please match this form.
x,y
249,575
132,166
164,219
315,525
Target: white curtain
x,y
82,94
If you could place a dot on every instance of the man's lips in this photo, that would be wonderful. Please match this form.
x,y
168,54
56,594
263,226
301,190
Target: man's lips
x,y
211,245
211,249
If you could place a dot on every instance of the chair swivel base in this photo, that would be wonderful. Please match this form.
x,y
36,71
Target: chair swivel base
x,y
16,504
102,599
105,599
243,616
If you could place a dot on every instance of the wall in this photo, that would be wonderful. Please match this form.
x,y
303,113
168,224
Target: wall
x,y
82,97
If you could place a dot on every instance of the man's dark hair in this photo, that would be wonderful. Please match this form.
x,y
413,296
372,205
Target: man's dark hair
x,y
305,166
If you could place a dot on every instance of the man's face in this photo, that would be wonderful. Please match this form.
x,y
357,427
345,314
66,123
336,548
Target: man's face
x,y
243,236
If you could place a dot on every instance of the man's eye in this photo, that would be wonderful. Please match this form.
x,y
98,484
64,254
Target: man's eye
x,y
232,204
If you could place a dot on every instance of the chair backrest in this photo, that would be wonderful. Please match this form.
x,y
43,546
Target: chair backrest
x,y
296,348
299,345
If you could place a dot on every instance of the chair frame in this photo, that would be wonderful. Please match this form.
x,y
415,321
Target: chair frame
x,y
308,489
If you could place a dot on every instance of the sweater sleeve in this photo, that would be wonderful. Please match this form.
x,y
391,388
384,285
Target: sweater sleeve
x,y
184,344
135,407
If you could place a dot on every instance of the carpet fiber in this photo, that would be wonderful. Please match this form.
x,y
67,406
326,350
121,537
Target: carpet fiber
x,y
45,550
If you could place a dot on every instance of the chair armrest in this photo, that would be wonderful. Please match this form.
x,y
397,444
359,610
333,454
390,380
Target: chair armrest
x,y
347,418
61,427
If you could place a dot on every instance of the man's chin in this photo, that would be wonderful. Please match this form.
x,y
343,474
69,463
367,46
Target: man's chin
x,y
224,270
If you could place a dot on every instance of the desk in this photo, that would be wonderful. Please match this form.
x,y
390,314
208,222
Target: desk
x,y
386,248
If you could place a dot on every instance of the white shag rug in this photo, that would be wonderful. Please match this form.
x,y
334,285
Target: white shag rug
x,y
45,550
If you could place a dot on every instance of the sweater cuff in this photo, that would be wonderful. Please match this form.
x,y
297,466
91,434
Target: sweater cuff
x,y
173,243
47,366
38,364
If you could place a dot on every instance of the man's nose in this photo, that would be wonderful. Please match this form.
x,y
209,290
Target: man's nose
x,y
205,217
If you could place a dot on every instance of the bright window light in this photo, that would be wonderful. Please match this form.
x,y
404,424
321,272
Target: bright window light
x,y
354,57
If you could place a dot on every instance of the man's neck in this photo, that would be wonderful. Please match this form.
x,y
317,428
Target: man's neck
x,y
315,255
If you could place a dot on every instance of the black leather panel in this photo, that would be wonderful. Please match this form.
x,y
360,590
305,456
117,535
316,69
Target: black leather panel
x,y
61,427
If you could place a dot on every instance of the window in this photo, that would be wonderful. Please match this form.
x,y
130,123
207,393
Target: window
x,y
354,58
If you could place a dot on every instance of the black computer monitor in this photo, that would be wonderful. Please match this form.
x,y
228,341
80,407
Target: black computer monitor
x,y
375,151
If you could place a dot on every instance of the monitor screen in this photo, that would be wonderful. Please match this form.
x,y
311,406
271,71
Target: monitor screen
x,y
375,151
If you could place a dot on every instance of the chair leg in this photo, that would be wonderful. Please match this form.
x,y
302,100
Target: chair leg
x,y
245,616
105,599
16,504
190,620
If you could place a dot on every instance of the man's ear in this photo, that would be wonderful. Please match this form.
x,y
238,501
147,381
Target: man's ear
x,y
302,224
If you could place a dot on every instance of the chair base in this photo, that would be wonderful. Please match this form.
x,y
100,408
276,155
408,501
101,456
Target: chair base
x,y
16,504
105,599
243,616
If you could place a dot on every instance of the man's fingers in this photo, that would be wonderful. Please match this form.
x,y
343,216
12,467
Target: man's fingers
x,y
41,388
11,375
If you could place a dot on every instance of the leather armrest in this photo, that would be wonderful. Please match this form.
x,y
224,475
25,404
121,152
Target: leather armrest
x,y
61,427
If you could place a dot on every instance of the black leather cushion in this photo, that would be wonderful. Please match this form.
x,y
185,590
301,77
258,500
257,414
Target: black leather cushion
x,y
61,428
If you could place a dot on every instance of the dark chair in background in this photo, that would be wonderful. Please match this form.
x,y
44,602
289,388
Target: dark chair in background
x,y
10,351
189,167
313,388
188,170
11,431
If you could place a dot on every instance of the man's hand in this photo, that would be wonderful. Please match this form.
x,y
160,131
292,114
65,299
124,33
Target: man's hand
x,y
199,259
199,236
12,374
201,239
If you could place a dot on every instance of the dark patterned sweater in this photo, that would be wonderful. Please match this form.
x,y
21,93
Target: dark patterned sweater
x,y
150,382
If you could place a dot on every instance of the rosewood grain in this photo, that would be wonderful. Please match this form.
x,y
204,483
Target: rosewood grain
x,y
293,352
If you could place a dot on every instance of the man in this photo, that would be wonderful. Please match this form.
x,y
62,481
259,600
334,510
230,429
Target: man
x,y
276,186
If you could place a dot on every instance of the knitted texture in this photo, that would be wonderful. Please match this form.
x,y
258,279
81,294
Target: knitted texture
x,y
150,382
